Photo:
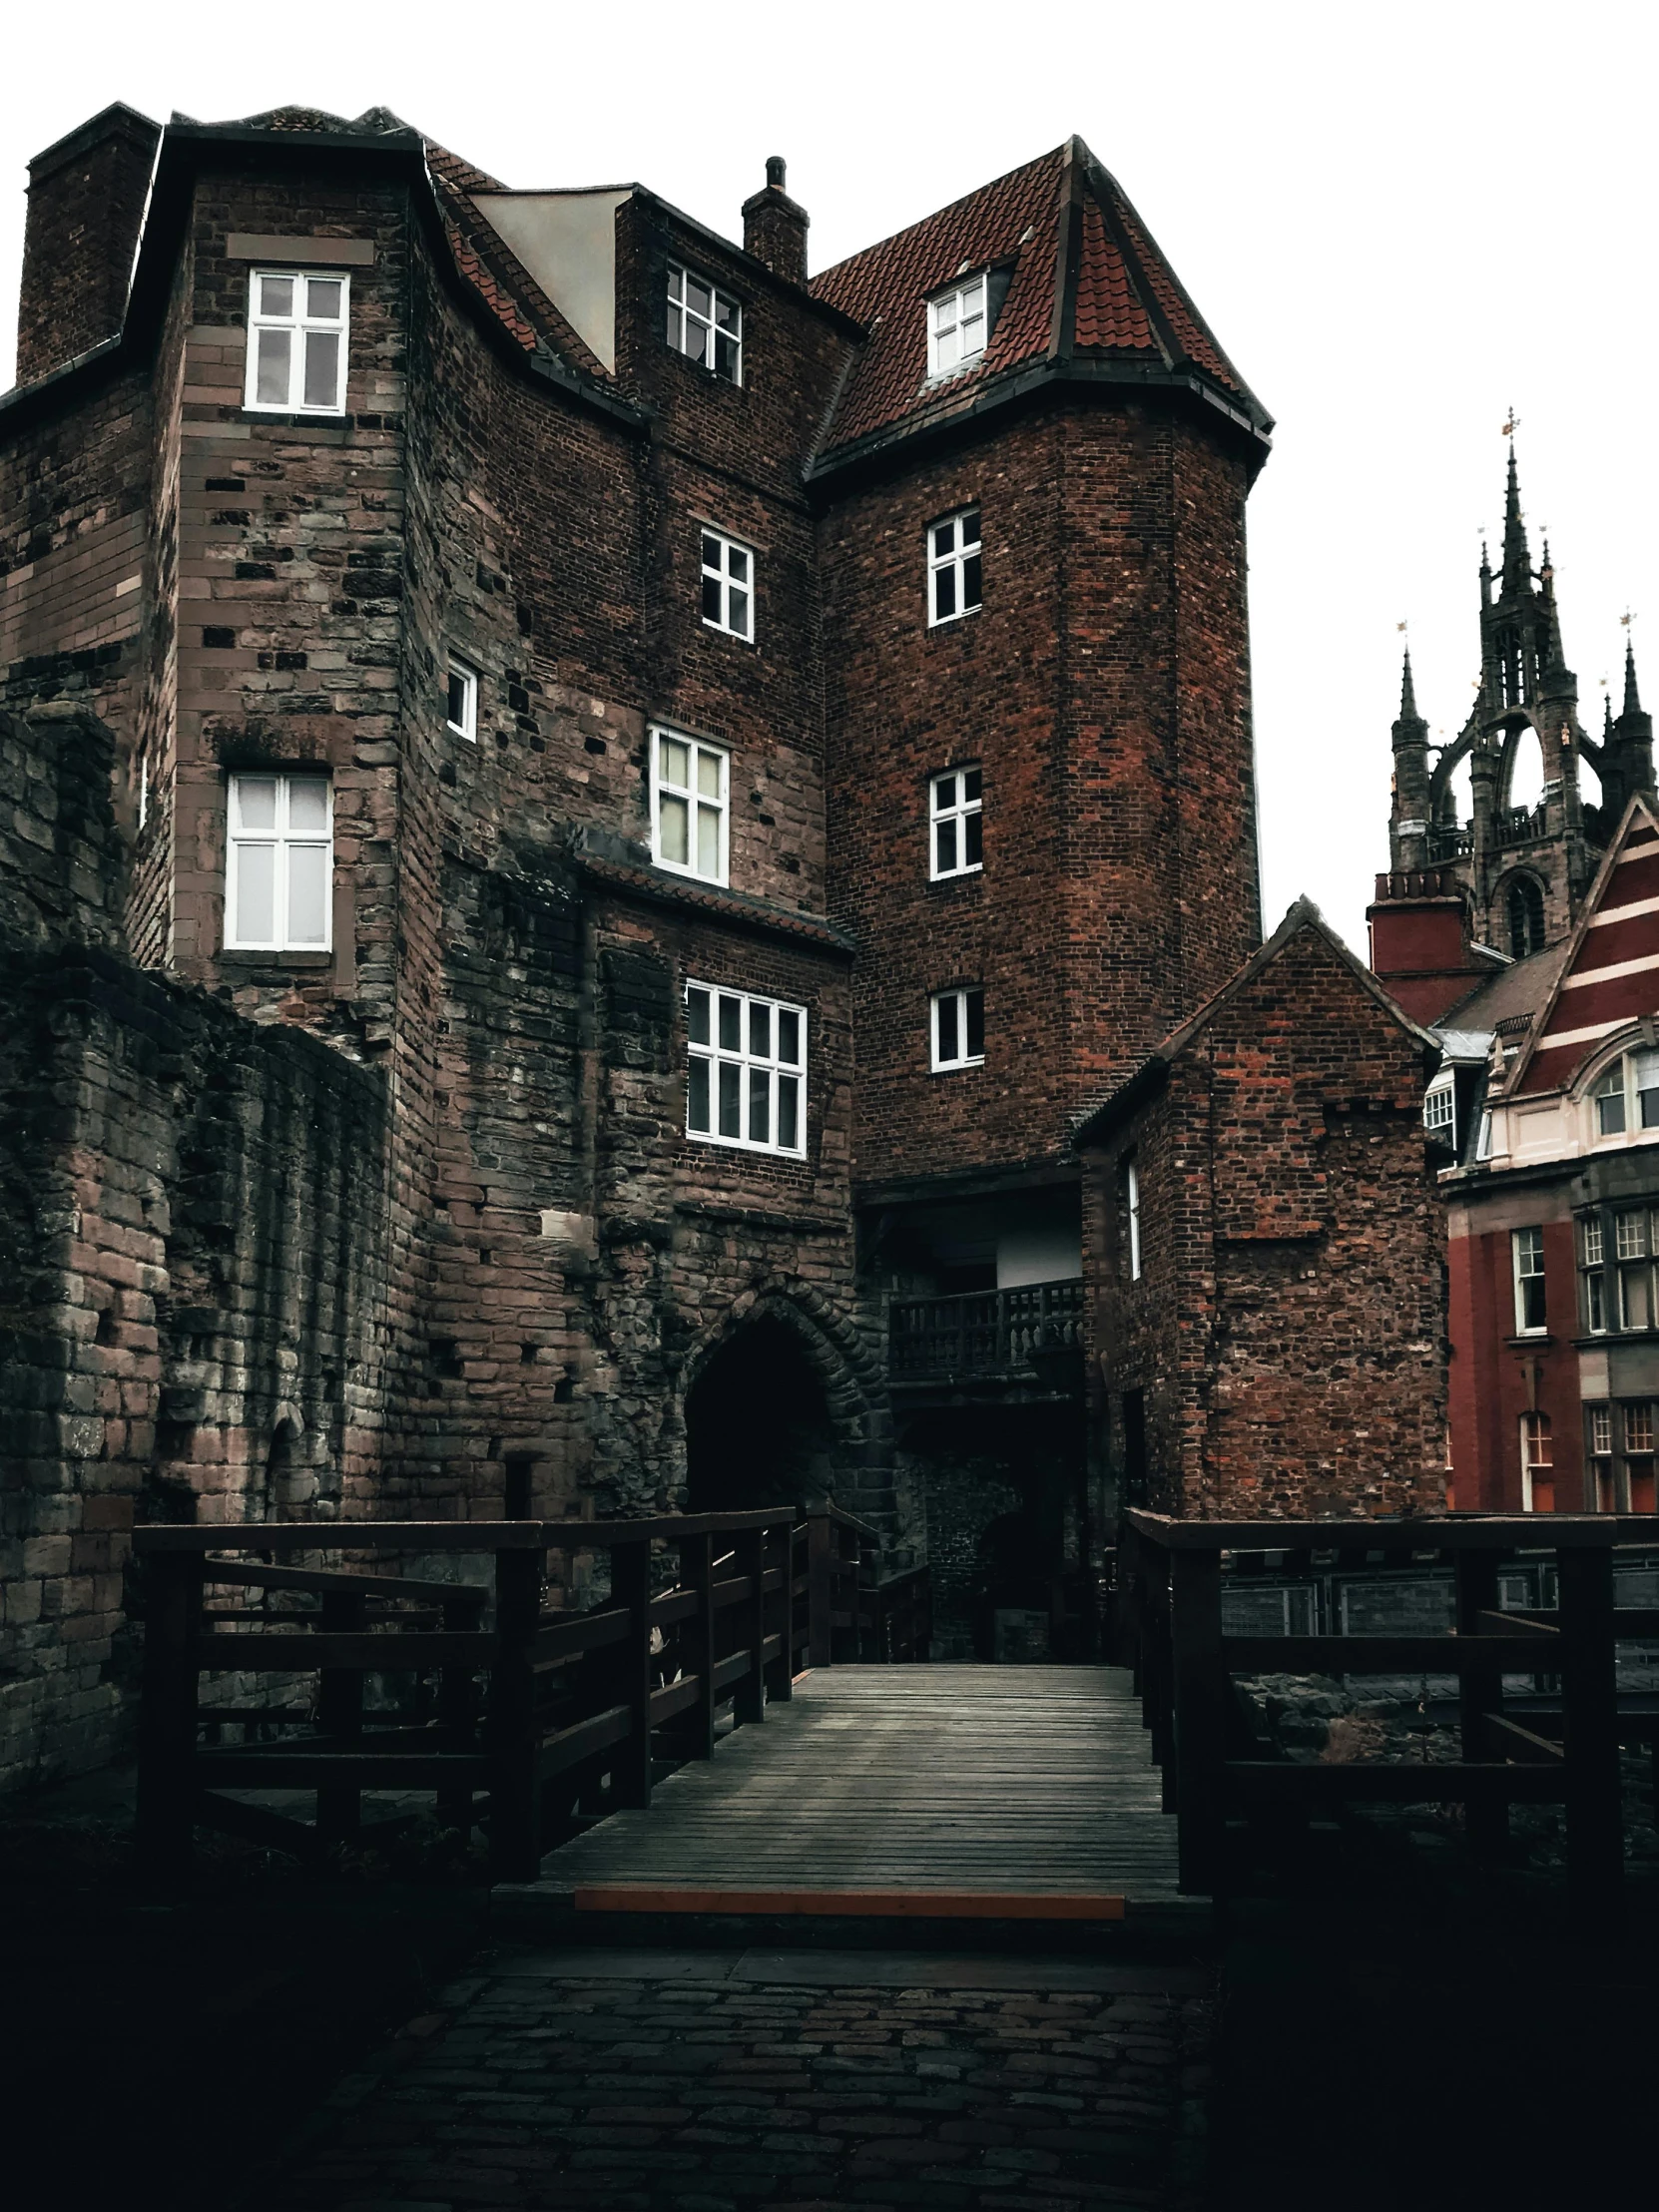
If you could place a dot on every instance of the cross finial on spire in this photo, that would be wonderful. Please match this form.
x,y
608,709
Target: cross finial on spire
x,y
1511,425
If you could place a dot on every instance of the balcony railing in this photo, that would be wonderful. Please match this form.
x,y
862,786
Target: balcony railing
x,y
985,1333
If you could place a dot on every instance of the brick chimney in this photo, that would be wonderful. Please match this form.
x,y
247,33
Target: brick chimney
x,y
86,206
774,228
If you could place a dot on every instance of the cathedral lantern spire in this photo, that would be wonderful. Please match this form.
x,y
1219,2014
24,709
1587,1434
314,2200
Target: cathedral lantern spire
x,y
1632,698
1518,559
1634,731
1409,828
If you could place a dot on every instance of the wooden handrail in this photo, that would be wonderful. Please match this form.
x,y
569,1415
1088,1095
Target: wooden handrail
x,y
1432,1533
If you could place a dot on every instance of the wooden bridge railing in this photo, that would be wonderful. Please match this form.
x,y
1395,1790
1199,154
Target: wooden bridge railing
x,y
1167,1627
508,1711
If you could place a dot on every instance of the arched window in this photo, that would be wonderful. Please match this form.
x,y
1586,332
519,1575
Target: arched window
x,y
1527,916
1626,1095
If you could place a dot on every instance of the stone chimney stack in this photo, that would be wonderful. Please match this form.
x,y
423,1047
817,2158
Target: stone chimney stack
x,y
87,197
774,228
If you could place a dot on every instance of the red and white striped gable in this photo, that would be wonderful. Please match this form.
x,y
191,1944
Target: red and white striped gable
x,y
1611,975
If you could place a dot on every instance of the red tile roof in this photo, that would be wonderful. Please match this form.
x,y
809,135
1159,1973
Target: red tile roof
x,y
1129,302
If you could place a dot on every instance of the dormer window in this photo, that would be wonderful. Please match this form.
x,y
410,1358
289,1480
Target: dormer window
x,y
1440,1108
957,324
705,324
1626,1098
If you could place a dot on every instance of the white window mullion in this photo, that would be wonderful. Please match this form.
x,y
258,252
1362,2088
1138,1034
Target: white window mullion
x,y
298,323
278,863
746,1079
690,806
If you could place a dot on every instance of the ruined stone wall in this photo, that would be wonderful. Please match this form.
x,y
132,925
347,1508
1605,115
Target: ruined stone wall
x,y
1288,1330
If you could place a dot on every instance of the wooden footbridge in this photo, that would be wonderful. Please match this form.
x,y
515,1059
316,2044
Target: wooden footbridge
x,y
613,1751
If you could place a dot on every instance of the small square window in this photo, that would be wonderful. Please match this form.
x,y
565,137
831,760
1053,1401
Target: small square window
x,y
954,572
956,824
727,586
297,343
704,324
958,1029
462,709
956,326
689,810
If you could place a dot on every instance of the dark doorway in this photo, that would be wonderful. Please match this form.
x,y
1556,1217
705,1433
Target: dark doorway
x,y
758,1429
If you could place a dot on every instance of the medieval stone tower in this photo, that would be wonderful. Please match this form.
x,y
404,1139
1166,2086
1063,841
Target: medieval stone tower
x,y
1511,877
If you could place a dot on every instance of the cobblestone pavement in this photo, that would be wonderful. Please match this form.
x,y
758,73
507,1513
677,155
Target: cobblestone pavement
x,y
746,2082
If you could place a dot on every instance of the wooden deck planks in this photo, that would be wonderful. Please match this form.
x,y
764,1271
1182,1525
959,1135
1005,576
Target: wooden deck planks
x,y
1032,1781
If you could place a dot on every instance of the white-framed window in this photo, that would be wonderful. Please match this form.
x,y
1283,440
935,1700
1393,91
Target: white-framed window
x,y
462,710
1483,1141
1132,1207
1626,1097
955,840
1591,1258
746,1074
1440,1108
1634,1249
279,865
690,781
1538,1456
954,575
704,324
144,790
297,331
727,586
1528,1246
956,326
958,1029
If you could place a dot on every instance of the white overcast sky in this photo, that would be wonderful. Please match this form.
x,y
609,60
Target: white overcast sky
x,y
1399,220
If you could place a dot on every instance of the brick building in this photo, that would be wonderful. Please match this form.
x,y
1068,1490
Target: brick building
x,y
507,687
1265,1239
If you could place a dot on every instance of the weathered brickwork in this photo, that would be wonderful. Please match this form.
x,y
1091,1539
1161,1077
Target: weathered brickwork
x,y
1287,1334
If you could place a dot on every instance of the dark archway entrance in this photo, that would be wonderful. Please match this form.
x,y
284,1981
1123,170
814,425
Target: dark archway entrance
x,y
758,1427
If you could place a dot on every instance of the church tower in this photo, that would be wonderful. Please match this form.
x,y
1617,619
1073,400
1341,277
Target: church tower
x,y
1462,895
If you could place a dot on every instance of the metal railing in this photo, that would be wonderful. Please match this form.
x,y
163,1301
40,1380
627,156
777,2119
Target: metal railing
x,y
983,1332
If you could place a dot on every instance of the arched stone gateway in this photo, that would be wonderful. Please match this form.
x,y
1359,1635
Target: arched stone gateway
x,y
782,1401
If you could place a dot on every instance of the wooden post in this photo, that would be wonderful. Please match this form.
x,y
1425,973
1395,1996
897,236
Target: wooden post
x,y
697,1572
631,1587
820,1588
340,1714
751,1701
1480,1692
167,1712
515,1790
1589,1698
457,1714
781,1681
1199,1716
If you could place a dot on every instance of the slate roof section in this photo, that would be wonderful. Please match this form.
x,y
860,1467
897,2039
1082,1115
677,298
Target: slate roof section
x,y
1086,281
620,870
1516,990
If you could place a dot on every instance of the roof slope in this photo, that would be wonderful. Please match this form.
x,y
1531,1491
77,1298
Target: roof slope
x,y
1086,281
1519,988
1609,976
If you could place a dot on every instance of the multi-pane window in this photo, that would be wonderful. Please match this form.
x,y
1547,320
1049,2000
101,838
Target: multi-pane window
x,y
279,865
688,785
954,567
728,585
1440,1108
297,326
704,324
1591,1258
1537,1455
1619,1447
958,1029
956,325
957,822
1638,1485
1528,1249
1633,1251
1627,1097
745,1077
462,709
1132,1207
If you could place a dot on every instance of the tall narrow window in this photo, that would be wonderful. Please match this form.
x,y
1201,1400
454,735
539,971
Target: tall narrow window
x,y
745,1071
461,711
954,567
1132,1207
1609,1102
279,865
1591,1257
1537,1464
727,586
1634,1252
958,1029
689,807
1527,916
1638,1460
704,324
1528,1249
1598,1437
297,331
957,822
956,326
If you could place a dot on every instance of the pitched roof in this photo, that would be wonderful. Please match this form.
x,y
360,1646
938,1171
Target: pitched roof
x,y
1086,281
1303,915
1609,975
1519,987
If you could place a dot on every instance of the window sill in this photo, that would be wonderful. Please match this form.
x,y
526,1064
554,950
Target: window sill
x,y
957,1068
949,621
242,960
956,876
1530,1342
334,428
719,630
